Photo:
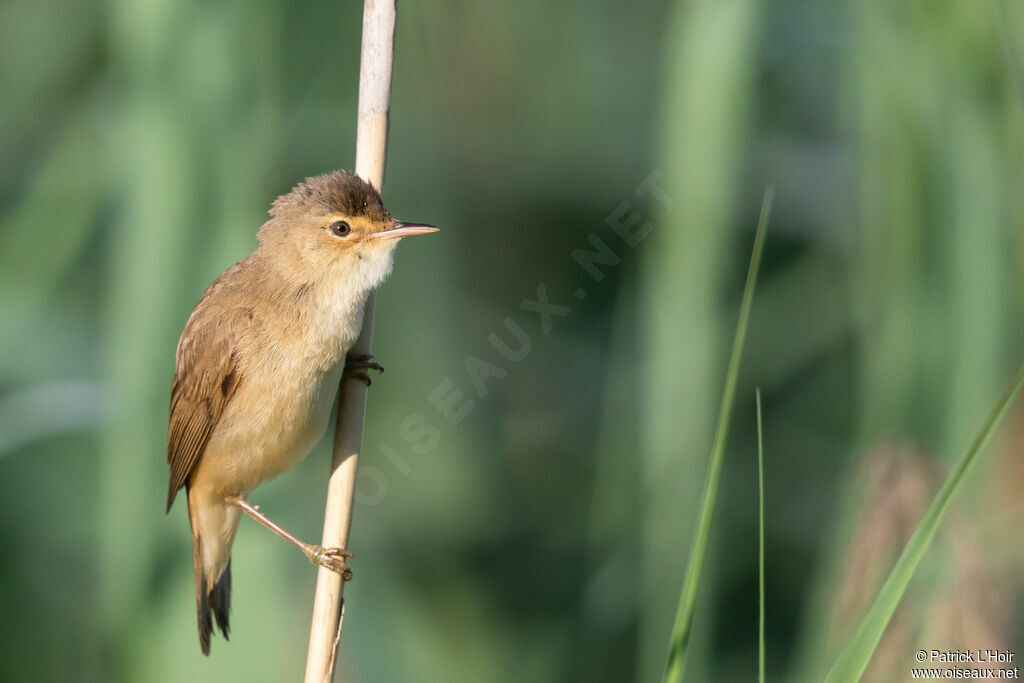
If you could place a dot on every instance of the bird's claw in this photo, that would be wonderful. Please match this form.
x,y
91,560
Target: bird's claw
x,y
331,558
357,366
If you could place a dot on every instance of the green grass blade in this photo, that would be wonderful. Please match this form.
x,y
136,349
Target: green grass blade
x,y
681,630
760,541
855,655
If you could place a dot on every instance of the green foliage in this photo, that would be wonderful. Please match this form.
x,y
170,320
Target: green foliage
x,y
544,536
856,653
683,627
760,544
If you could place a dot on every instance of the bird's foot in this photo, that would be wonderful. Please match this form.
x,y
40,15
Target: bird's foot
x,y
331,558
357,366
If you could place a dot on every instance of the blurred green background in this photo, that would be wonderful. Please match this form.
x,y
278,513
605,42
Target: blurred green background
x,y
543,536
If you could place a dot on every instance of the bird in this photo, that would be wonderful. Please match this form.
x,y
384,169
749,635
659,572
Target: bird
x,y
259,363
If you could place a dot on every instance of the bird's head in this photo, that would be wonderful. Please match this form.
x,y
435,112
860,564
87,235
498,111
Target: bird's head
x,y
336,221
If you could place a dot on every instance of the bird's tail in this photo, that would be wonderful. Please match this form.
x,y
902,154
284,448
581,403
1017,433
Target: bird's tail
x,y
213,531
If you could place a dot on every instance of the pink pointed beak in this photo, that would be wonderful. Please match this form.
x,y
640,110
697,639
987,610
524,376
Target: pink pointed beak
x,y
400,230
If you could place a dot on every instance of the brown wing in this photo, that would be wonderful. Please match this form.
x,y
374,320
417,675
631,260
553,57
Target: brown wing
x,y
205,378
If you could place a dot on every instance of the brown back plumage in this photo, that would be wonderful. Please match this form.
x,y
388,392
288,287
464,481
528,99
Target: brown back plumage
x,y
205,379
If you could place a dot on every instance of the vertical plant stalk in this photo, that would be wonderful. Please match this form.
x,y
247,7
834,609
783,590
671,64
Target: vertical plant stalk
x,y
683,627
371,152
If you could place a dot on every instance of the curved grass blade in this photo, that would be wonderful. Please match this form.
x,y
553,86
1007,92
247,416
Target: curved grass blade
x,y
854,657
682,628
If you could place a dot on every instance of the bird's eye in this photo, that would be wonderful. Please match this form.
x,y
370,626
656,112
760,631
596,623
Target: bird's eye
x,y
340,228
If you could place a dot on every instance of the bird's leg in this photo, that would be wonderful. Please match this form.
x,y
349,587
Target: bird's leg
x,y
331,558
358,365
